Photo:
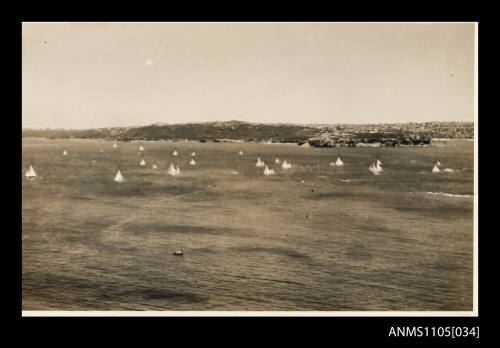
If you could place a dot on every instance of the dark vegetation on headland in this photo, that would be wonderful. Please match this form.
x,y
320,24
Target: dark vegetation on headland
x,y
316,135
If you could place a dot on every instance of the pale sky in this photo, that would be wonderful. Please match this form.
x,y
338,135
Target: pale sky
x,y
92,75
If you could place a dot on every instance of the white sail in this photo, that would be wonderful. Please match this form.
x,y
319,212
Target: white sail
x,y
65,153
141,148
193,154
143,162
268,171
192,162
375,168
339,162
30,173
438,163
286,165
277,161
448,170
240,153
171,170
436,169
332,164
154,166
115,145
118,176
178,170
379,163
259,163
175,153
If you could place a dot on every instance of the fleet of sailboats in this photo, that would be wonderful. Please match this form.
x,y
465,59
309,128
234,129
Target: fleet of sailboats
x,y
375,168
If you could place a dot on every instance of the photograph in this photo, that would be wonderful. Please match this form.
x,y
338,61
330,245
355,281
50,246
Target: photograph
x,y
249,169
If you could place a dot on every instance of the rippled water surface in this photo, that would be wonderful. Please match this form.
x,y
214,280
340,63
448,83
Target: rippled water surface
x,y
342,239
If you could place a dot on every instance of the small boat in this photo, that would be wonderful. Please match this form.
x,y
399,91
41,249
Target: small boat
x,y
30,173
119,177
178,253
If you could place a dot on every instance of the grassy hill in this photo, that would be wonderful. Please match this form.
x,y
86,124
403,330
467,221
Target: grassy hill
x,y
316,135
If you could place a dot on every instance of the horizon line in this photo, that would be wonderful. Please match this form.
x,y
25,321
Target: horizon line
x,y
247,122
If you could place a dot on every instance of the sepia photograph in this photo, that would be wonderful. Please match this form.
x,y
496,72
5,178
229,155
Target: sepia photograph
x,y
249,169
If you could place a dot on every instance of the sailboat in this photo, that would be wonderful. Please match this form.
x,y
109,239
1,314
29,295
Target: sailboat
x,y
436,169
154,166
171,170
193,154
286,165
118,177
259,163
115,145
30,173
178,170
141,148
192,162
142,163
240,153
268,171
277,161
376,168
339,162
175,153
65,153
332,164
